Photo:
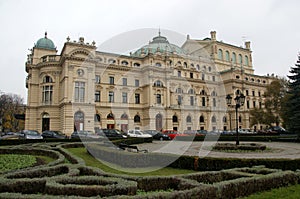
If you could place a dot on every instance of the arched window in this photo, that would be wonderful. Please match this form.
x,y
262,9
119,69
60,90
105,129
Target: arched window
x,y
158,64
240,59
213,119
110,116
214,93
185,64
225,119
175,119
238,92
198,67
124,62
201,119
188,119
191,91
240,119
47,79
214,102
246,61
209,68
179,63
179,90
136,64
203,92
220,54
227,58
111,61
97,118
137,119
204,67
158,83
234,58
124,116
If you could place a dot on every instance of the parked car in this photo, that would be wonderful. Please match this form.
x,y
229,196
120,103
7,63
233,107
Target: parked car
x,y
172,133
157,135
85,134
138,134
112,133
30,134
9,136
276,130
54,134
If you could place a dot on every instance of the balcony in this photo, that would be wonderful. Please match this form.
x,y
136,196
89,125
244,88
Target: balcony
x,y
50,58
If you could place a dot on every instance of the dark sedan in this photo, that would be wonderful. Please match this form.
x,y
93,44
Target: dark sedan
x,y
157,135
54,134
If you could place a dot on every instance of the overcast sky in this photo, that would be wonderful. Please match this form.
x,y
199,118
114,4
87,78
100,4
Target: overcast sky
x,y
272,26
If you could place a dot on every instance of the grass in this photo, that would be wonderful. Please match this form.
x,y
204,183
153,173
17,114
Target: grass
x,y
15,161
291,192
91,161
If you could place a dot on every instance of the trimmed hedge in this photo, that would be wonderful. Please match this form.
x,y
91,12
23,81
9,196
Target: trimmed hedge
x,y
90,186
22,185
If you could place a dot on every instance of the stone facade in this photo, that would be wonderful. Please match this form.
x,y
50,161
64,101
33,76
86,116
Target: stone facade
x,y
160,86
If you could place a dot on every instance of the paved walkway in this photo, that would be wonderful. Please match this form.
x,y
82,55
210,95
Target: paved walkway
x,y
203,149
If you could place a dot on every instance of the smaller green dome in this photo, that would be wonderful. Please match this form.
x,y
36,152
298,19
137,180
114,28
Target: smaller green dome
x,y
45,43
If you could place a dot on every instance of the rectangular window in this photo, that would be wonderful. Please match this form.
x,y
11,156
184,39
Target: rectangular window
x,y
203,101
124,80
214,102
179,73
137,98
97,96
47,95
191,75
124,97
260,105
253,93
158,98
137,83
248,104
79,91
247,92
214,78
179,99
111,80
111,96
254,104
97,79
192,100
259,93
203,76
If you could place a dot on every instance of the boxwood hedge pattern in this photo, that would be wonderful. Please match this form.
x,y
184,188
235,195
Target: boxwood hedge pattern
x,y
68,176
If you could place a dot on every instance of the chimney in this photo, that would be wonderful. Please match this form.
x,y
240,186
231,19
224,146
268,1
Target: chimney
x,y
247,45
213,35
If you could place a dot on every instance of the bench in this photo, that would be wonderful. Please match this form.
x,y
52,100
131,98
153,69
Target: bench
x,y
130,148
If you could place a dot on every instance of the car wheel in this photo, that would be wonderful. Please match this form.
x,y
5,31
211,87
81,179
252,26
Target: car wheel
x,y
161,138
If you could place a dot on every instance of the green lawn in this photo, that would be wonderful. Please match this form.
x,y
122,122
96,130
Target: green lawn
x,y
91,161
291,192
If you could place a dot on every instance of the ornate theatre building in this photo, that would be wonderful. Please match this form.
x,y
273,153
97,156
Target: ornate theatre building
x,y
159,86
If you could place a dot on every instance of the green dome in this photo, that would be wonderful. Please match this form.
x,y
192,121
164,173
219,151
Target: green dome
x,y
159,44
45,43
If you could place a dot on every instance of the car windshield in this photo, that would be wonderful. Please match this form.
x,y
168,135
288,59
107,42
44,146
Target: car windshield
x,y
58,133
32,133
90,133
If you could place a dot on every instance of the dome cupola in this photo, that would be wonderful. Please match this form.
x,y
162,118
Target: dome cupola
x,y
45,43
159,44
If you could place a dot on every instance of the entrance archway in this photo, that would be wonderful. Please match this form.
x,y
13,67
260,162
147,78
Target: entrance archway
x,y
110,121
45,122
124,122
158,122
79,121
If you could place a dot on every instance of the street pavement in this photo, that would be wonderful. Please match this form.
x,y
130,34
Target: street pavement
x,y
202,149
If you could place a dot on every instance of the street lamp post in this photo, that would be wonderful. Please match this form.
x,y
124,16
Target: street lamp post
x,y
239,101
